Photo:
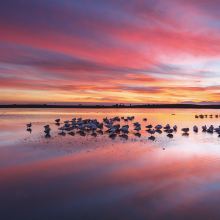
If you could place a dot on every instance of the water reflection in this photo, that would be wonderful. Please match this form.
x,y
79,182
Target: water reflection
x,y
29,130
94,177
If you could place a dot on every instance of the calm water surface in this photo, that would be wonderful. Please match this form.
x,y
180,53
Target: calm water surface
x,y
76,177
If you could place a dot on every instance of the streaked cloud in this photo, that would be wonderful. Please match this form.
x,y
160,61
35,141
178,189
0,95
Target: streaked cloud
x,y
109,51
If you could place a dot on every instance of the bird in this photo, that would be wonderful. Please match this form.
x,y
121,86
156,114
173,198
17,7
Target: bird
x,y
167,127
47,126
169,131
137,126
57,120
124,129
47,130
158,127
71,133
137,134
170,135
204,128
149,126
210,129
151,131
152,138
137,129
217,130
29,125
185,130
175,128
195,128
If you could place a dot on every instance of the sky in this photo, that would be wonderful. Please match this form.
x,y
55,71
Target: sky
x,y
109,51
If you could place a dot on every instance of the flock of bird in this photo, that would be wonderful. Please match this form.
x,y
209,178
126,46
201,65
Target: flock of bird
x,y
207,116
113,128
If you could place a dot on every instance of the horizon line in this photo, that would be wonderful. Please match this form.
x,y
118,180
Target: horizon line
x,y
98,105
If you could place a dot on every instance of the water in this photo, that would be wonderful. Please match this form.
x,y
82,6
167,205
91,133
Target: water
x,y
76,177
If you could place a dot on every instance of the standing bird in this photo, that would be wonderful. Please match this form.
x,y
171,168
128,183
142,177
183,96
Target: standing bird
x,y
167,127
185,130
158,127
47,131
149,126
57,120
204,128
195,128
175,128
29,125
152,138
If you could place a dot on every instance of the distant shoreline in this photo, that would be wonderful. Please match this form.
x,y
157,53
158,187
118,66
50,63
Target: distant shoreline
x,y
189,106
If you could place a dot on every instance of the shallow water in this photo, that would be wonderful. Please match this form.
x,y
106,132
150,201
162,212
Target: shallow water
x,y
76,177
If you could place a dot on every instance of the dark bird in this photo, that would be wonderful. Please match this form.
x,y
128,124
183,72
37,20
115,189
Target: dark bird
x,y
57,120
195,128
29,125
185,130
152,138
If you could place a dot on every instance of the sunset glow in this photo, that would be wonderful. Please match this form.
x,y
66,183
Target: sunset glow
x,y
150,51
